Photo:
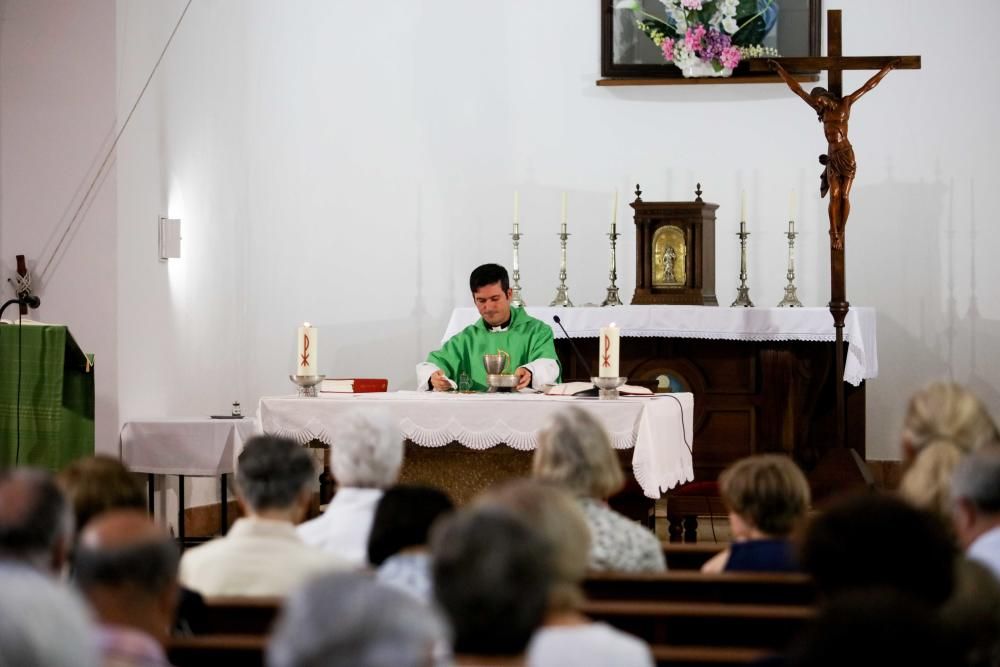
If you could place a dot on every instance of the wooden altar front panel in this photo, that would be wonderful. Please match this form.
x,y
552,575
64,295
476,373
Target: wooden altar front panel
x,y
750,397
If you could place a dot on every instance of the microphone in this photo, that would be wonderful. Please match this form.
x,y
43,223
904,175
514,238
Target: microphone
x,y
31,301
579,356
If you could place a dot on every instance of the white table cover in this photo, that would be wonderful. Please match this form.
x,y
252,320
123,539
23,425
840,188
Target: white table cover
x,y
659,428
714,323
198,447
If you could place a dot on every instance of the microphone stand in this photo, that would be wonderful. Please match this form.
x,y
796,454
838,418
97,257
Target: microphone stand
x,y
580,358
30,301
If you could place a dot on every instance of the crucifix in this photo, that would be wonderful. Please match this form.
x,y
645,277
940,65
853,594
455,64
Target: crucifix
x,y
22,283
833,109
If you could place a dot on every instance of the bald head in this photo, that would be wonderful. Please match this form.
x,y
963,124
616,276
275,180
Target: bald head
x,y
125,549
36,523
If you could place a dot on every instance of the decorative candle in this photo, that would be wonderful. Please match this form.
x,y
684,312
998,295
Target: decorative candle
x,y
614,214
791,205
563,218
743,206
608,346
517,202
308,353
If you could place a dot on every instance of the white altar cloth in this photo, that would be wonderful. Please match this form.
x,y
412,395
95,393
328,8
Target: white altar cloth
x,y
714,323
659,428
193,446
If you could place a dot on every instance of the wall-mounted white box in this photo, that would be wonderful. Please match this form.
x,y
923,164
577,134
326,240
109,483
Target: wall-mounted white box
x,y
170,238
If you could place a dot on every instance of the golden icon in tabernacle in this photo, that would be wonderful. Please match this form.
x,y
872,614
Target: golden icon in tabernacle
x,y
669,258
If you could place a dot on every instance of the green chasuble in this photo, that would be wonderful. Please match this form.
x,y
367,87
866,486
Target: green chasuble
x,y
525,340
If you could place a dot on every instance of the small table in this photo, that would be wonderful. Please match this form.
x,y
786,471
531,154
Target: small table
x,y
193,447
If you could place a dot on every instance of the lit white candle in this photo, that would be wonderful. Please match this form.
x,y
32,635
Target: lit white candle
x,y
517,205
614,214
608,345
306,361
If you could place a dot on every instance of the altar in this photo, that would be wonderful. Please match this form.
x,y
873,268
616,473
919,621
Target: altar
x,y
466,442
763,379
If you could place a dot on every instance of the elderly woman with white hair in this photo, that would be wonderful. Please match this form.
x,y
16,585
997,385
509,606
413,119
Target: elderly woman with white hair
x,y
575,451
366,457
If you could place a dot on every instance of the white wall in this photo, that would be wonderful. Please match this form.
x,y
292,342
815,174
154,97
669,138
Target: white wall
x,y
348,163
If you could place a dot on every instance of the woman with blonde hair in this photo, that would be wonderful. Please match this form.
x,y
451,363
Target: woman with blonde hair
x,y
575,452
767,496
944,421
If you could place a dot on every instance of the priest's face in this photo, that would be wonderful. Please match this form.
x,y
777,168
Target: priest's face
x,y
493,303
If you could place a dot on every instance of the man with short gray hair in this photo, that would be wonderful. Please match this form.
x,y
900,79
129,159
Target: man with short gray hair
x,y
349,620
36,520
975,490
366,457
262,554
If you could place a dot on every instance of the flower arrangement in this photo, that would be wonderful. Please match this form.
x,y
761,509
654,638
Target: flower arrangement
x,y
708,37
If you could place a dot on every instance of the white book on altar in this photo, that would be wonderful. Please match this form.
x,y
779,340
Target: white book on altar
x,y
572,388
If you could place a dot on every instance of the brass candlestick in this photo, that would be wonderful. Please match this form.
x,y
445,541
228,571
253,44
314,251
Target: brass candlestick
x,y
612,298
562,291
791,299
515,289
743,291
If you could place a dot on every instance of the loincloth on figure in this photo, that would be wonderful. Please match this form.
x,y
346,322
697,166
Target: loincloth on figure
x,y
842,162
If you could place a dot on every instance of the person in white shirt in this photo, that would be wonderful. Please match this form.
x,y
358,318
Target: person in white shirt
x,y
975,490
566,636
366,457
262,554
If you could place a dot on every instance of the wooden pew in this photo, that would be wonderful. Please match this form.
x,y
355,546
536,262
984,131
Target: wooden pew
x,y
217,650
239,615
704,623
706,656
690,555
691,586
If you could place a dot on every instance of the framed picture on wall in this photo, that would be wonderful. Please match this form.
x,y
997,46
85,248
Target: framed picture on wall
x,y
791,26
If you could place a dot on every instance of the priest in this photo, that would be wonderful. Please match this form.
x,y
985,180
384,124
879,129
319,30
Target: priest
x,y
527,340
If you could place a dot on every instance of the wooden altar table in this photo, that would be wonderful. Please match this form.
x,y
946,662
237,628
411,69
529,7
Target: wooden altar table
x,y
484,438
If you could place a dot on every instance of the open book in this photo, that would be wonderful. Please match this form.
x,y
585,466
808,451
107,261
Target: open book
x,y
573,388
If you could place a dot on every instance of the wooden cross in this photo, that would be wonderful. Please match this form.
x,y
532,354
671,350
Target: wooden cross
x,y
834,114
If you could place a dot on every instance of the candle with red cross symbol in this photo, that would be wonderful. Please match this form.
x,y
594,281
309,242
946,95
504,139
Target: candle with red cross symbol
x,y
308,350
607,362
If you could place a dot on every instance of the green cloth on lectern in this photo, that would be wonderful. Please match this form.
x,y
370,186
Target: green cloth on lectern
x,y
525,340
57,397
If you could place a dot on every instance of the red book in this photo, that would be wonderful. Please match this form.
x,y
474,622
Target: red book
x,y
353,385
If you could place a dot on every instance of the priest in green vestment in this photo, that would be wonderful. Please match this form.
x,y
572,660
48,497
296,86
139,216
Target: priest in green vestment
x,y
527,340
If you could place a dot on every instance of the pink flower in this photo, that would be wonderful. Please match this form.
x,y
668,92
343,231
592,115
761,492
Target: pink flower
x,y
730,57
668,49
691,4
693,37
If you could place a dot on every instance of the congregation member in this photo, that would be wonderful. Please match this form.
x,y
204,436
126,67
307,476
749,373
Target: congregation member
x,y
126,567
527,340
492,576
36,520
976,510
767,497
566,637
96,484
262,554
365,458
575,451
42,622
348,620
944,422
398,544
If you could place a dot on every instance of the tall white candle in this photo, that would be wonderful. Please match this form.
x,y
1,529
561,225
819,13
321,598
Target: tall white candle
x,y
791,205
306,361
607,362
563,216
743,206
614,214
517,205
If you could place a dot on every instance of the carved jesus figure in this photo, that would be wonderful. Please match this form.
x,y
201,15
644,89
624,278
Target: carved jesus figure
x,y
840,165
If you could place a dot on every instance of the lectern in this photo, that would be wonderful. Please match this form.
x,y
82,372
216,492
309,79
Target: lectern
x,y
52,416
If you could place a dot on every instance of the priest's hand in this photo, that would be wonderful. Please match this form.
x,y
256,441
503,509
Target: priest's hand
x,y
439,382
523,377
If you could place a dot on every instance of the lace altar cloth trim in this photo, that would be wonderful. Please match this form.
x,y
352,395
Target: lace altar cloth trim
x,y
714,323
657,429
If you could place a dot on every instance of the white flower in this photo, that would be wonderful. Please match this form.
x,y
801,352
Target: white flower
x,y
729,25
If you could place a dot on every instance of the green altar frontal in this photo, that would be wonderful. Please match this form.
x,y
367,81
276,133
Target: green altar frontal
x,y
57,397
